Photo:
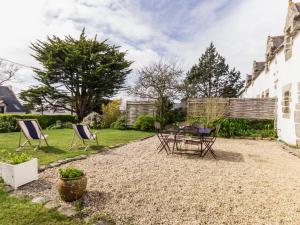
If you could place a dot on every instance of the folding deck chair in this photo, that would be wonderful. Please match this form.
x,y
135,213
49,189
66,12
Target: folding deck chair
x,y
31,130
84,134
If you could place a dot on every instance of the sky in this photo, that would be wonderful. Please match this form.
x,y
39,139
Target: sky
x,y
176,31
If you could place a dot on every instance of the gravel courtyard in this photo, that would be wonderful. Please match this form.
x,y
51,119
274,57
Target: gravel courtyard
x,y
253,182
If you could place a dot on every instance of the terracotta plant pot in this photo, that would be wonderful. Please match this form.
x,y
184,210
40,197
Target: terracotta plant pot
x,y
71,189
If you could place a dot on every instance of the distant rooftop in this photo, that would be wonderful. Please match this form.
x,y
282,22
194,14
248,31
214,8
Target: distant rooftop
x,y
9,98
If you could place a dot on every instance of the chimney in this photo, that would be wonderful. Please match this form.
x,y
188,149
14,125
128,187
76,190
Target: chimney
x,y
248,79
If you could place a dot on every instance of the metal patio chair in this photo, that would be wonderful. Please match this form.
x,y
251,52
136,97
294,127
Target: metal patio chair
x,y
84,134
192,137
209,141
32,131
164,138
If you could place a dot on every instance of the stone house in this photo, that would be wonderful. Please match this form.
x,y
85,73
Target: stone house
x,y
278,76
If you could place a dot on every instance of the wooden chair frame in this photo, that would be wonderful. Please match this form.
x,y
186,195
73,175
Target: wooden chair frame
x,y
86,143
28,140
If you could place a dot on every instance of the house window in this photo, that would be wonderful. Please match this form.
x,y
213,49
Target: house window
x,y
2,109
286,102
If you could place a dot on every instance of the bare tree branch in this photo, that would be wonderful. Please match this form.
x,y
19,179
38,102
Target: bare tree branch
x,y
7,71
159,81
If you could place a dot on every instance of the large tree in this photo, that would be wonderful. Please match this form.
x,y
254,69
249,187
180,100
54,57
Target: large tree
x,y
77,73
212,76
7,71
158,81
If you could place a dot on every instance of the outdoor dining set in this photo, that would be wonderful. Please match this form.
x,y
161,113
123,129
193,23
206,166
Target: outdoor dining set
x,y
186,139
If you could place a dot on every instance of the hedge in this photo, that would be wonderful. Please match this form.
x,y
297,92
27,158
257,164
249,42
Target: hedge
x,y
8,122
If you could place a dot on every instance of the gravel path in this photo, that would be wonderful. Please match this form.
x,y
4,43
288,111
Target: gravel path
x,y
253,182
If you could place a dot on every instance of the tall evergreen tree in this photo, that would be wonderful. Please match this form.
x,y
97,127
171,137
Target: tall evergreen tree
x,y
212,77
77,73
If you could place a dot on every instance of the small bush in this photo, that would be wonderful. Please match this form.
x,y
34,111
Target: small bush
x,y
111,112
14,158
70,173
93,120
180,114
144,123
8,122
120,124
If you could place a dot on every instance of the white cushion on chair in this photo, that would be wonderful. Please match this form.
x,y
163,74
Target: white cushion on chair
x,y
43,137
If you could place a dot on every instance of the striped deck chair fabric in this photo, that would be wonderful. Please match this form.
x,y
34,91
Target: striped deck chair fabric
x,y
84,133
31,130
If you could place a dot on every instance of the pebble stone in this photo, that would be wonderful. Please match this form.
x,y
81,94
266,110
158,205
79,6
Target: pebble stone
x,y
252,182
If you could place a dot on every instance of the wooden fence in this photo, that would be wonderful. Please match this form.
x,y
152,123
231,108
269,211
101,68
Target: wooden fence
x,y
248,108
136,108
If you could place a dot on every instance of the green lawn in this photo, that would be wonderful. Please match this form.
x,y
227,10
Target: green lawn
x,y
16,211
60,139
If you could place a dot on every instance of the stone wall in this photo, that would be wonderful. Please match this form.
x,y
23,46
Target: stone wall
x,y
297,116
136,108
247,108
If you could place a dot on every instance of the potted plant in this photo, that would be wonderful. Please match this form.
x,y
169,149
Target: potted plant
x,y
18,169
71,184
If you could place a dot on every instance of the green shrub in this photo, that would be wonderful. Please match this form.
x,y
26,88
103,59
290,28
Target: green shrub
x,y
8,122
179,114
144,123
241,127
110,112
246,127
70,173
120,124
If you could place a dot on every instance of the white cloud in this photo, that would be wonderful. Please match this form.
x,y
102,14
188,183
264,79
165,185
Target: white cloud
x,y
178,31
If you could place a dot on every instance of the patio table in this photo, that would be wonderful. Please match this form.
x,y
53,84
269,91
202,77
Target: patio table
x,y
202,133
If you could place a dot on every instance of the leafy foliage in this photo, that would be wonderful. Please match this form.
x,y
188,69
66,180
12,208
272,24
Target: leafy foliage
x,y
120,124
111,112
144,123
79,73
240,127
212,77
35,99
70,173
14,158
8,122
179,114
